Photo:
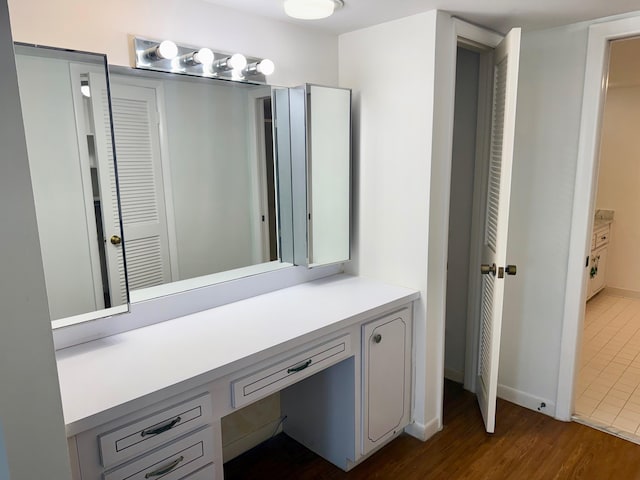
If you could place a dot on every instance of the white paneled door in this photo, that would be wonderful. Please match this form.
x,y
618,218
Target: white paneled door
x,y
144,218
494,251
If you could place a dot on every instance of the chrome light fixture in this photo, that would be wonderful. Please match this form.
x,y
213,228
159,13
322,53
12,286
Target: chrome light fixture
x,y
166,56
311,9
265,67
204,56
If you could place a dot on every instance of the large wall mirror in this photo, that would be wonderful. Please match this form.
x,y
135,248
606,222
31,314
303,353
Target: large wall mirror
x,y
67,123
148,184
196,175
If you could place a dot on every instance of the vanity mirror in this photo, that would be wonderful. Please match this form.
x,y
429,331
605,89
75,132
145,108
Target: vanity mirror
x,y
214,180
197,180
65,107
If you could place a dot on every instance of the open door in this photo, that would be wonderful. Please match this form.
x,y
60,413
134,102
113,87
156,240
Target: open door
x,y
494,249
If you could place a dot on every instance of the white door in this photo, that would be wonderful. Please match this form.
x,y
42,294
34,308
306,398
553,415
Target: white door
x,y
144,218
494,251
108,190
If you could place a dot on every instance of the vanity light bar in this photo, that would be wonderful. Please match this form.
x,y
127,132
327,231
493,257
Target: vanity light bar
x,y
167,56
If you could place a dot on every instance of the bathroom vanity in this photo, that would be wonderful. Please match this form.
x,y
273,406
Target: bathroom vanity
x,y
596,273
148,403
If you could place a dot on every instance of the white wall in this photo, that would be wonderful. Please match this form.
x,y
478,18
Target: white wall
x,y
392,126
54,160
460,210
618,182
30,407
300,55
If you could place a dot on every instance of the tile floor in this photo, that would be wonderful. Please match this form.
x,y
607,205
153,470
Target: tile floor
x,y
608,386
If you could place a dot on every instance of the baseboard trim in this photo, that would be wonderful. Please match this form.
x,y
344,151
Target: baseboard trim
x,y
621,292
424,432
453,375
527,400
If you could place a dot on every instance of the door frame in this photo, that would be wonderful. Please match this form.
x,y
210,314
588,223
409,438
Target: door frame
x,y
454,30
596,70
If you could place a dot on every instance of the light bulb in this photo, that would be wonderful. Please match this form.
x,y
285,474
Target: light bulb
x,y
266,67
309,9
167,50
237,61
204,56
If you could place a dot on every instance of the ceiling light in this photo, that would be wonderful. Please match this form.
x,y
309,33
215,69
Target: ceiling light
x,y
311,9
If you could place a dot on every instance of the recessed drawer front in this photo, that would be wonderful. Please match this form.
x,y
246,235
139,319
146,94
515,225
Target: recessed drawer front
x,y
149,432
287,372
207,473
173,462
602,237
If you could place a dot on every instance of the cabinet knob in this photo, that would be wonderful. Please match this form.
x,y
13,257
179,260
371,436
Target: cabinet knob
x,y
377,338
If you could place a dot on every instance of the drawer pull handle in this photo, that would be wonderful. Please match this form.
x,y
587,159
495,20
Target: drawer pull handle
x,y
300,367
165,469
163,428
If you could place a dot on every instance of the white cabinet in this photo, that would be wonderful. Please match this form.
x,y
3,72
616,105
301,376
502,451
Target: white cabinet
x,y
172,439
596,271
386,369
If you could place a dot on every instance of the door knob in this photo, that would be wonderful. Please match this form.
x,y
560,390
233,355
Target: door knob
x,y
487,269
116,240
511,269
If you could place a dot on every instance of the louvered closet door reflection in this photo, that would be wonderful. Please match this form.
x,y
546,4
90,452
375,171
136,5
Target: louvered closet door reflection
x,y
144,217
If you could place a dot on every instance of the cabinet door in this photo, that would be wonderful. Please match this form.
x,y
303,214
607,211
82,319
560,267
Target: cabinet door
x,y
598,282
386,378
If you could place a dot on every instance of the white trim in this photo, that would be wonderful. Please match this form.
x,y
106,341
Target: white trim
x,y
527,400
75,71
478,35
583,200
621,292
257,169
424,432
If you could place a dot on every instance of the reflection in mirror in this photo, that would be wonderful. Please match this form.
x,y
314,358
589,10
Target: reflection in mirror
x,y
65,107
321,170
197,180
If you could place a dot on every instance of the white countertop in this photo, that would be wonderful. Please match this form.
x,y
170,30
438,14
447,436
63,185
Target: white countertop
x,y
99,377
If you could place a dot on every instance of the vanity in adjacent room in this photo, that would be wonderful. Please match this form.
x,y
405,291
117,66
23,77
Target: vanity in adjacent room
x,y
600,238
206,218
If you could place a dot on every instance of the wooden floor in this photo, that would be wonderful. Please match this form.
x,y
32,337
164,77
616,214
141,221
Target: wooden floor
x,y
527,445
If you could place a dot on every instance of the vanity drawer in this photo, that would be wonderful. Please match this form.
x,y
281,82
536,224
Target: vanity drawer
x,y
206,473
173,462
151,431
601,237
289,371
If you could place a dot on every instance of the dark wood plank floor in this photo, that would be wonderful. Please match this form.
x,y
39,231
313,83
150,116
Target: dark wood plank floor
x,y
526,445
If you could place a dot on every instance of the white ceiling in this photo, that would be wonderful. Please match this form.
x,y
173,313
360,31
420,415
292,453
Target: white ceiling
x,y
499,15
